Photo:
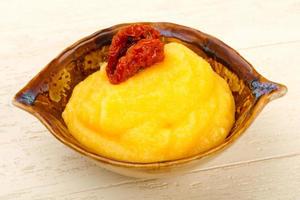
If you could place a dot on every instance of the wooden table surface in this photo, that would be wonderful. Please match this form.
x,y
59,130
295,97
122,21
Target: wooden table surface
x,y
263,164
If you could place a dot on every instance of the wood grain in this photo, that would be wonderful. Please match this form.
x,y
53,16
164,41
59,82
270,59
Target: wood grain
x,y
263,164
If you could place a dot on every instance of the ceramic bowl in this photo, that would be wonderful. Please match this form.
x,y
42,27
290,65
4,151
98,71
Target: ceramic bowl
x,y
46,95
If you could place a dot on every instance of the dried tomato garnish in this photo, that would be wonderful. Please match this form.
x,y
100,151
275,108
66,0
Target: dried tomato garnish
x,y
133,48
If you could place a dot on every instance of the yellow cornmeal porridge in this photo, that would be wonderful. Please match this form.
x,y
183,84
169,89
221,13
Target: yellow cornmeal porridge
x,y
173,109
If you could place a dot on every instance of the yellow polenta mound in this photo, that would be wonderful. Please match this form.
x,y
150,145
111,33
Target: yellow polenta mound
x,y
174,109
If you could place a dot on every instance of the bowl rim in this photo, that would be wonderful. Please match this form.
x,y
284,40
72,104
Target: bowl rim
x,y
254,111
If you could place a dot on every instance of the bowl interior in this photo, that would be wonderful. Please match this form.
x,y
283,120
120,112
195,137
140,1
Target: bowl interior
x,y
47,94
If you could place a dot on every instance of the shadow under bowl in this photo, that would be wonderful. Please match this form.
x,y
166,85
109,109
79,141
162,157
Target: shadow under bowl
x,y
47,94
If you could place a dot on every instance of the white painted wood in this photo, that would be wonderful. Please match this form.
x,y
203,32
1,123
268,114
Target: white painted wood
x,y
263,164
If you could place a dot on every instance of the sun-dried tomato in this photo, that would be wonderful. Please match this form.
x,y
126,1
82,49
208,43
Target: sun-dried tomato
x,y
133,48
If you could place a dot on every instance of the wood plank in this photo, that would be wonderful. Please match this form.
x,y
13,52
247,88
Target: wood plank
x,y
241,24
270,179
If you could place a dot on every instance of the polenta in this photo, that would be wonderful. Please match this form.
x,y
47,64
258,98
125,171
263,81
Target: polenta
x,y
173,109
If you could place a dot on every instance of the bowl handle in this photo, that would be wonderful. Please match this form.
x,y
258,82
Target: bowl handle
x,y
265,87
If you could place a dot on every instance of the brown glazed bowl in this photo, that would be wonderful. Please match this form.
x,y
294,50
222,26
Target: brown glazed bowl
x,y
46,95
